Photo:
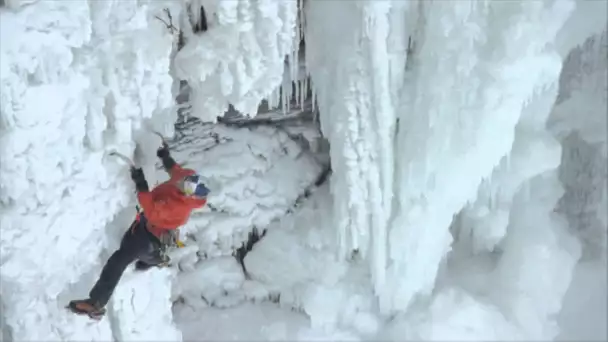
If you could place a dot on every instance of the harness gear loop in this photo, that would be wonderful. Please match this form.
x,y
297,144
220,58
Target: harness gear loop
x,y
168,239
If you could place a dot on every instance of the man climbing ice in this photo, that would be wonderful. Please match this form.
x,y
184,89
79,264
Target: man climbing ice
x,y
165,209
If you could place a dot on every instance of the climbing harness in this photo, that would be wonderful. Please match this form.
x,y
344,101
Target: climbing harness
x,y
167,241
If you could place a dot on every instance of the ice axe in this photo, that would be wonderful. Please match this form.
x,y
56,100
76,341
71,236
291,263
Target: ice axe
x,y
123,158
137,155
162,138
154,131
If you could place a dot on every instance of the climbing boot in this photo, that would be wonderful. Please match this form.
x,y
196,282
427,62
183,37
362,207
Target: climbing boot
x,y
142,266
87,307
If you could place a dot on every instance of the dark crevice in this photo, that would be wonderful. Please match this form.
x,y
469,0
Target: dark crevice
x,y
323,176
201,24
252,238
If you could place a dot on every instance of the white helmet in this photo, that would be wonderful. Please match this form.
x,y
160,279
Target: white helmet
x,y
193,186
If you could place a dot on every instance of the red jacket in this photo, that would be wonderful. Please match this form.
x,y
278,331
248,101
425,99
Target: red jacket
x,y
166,207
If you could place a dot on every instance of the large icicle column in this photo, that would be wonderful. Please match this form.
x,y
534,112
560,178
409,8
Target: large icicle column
x,y
425,128
357,91
77,78
240,59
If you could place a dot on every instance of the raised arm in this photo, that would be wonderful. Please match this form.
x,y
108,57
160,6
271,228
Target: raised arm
x,y
143,192
165,156
169,164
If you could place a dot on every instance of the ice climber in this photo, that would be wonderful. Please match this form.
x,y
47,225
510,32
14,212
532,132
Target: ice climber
x,y
164,210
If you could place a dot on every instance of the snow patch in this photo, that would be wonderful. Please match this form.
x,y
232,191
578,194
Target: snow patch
x,y
249,322
211,281
454,315
145,315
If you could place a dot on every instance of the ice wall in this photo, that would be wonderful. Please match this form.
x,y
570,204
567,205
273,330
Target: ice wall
x,y
413,138
549,176
546,214
241,58
580,107
77,78
579,120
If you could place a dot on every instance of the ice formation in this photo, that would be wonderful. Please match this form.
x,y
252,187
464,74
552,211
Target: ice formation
x,y
421,111
79,79
582,128
432,109
241,58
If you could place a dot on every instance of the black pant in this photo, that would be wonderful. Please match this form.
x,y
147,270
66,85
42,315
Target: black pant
x,y
137,243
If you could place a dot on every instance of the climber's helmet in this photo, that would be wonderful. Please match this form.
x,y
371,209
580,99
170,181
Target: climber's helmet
x,y
193,186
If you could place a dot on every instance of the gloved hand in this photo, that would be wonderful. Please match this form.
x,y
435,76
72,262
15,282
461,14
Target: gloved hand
x,y
163,151
164,154
137,175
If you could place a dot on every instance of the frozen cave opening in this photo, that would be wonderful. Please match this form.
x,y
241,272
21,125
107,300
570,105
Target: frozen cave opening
x,y
420,171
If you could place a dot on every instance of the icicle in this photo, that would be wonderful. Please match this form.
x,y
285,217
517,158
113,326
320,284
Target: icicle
x,y
269,100
276,101
355,234
296,82
314,104
295,55
273,99
301,19
303,92
284,98
298,95
306,86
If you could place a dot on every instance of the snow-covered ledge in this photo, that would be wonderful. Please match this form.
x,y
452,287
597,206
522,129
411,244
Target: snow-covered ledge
x,y
142,305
